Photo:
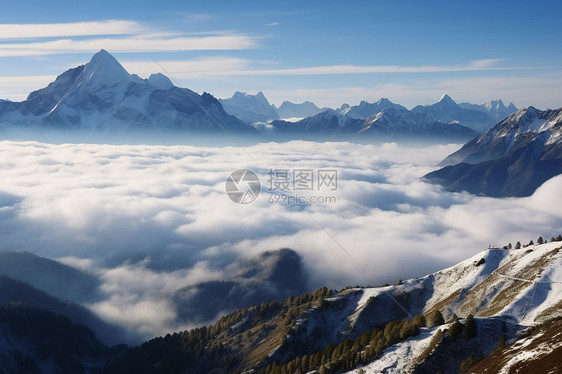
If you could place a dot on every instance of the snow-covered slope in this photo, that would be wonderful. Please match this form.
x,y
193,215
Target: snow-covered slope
x,y
523,285
250,108
505,289
489,298
511,159
103,96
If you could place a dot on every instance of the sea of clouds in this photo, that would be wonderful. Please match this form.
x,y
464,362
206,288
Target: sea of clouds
x,y
148,219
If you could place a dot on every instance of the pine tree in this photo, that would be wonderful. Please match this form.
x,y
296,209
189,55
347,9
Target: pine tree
x,y
455,330
540,240
470,328
518,245
419,320
435,319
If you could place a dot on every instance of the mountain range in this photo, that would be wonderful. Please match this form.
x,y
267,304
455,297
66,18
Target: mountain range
x,y
494,108
448,322
256,108
499,308
102,97
288,109
513,158
444,120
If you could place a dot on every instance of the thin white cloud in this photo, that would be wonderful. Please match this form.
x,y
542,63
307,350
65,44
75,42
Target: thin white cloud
x,y
17,88
143,43
272,24
198,68
478,65
542,91
230,66
50,30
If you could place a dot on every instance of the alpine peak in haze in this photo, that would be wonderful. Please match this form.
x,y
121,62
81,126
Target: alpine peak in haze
x,y
381,120
365,109
302,110
250,108
102,96
494,108
447,110
513,158
256,108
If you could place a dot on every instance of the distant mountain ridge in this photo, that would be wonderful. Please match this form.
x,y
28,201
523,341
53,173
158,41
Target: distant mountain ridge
x,y
288,109
14,291
511,159
365,109
50,276
102,97
272,275
445,119
250,108
256,108
447,110
389,124
495,108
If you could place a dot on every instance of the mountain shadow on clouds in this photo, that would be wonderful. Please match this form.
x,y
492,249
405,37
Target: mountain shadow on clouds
x,y
272,275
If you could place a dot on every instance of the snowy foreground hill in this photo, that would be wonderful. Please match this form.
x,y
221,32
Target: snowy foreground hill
x,y
499,307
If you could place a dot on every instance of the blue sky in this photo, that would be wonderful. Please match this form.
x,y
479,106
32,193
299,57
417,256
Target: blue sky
x,y
329,52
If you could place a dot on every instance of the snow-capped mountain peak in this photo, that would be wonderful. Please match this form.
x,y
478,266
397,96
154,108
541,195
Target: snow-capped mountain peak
x,y
102,96
446,100
104,70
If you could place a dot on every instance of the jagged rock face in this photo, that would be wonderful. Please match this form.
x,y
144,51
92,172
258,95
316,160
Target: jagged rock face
x,y
513,158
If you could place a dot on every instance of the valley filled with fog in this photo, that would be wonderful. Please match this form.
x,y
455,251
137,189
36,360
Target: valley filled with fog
x,y
147,220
